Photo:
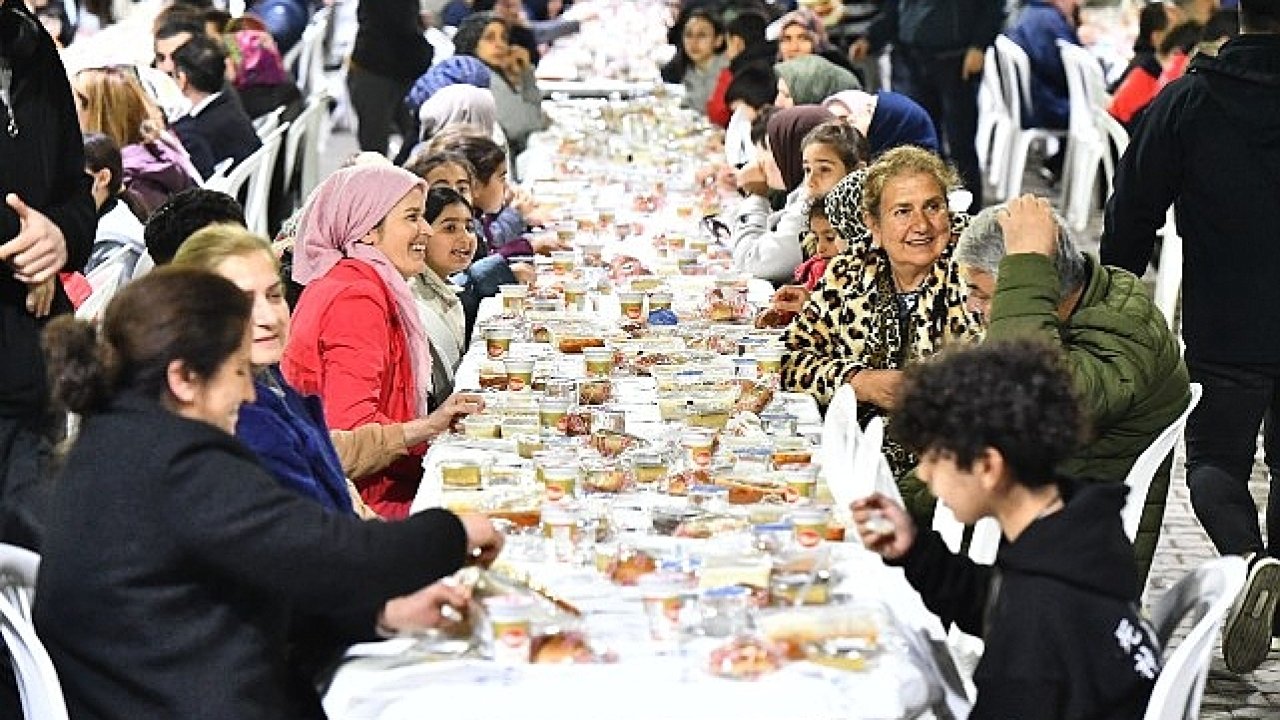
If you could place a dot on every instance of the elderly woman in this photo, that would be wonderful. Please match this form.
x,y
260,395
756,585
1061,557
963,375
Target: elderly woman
x,y
810,79
806,153
894,298
358,338
1026,278
176,550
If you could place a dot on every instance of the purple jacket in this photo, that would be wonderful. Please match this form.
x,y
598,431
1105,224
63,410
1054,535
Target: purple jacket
x,y
156,169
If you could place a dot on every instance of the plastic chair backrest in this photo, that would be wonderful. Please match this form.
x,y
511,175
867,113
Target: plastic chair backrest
x,y
38,686
18,568
1015,77
266,124
1204,595
305,60
256,170
1144,468
301,154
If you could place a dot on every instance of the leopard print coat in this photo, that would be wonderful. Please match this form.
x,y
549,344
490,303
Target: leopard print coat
x,y
851,320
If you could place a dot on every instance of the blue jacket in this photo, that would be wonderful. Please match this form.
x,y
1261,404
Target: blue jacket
x,y
1039,28
291,440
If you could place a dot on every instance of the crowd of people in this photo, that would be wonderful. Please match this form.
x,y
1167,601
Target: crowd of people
x,y
253,413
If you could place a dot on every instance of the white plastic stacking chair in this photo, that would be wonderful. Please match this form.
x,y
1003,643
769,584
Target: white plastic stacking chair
x,y
301,145
1144,468
267,124
255,170
1015,84
1088,145
1117,140
1205,595
992,139
1169,274
305,60
38,686
18,568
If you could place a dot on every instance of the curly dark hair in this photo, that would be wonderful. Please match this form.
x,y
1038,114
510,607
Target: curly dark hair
x,y
183,214
1014,396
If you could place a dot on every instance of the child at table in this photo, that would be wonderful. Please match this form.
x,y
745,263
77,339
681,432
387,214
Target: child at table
x,y
1058,611
823,240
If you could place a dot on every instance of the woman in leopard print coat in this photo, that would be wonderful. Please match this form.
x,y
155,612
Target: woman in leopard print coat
x,y
893,298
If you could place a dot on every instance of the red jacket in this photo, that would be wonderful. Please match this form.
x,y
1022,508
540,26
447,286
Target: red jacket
x,y
348,347
718,111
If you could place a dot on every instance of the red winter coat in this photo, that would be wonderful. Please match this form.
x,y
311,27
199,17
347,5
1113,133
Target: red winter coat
x,y
348,347
718,111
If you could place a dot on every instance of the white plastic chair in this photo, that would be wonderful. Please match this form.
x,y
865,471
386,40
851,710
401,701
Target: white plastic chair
x,y
301,146
305,60
18,568
1088,145
38,685
994,122
256,170
267,124
1204,595
1144,468
1015,84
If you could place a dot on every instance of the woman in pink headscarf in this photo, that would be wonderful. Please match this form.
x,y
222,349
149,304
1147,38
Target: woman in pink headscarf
x,y
358,341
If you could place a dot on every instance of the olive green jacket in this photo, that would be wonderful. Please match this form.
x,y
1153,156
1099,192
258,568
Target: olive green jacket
x,y
1126,363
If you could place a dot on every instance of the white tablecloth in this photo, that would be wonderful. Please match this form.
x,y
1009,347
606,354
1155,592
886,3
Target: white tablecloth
x,y
389,681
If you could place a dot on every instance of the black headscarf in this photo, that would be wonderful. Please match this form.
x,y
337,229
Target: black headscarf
x,y
787,128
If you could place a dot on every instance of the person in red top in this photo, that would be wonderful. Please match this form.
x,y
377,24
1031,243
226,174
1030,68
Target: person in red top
x,y
1140,86
744,45
358,340
827,243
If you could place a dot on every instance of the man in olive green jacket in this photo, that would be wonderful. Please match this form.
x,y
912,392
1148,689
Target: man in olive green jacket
x,y
1027,279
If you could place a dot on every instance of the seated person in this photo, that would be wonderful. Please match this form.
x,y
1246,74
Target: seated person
x,y
698,36
887,119
894,298
1059,610
1040,26
259,76
186,212
810,79
805,152
217,127
825,243
202,559
1026,278
745,47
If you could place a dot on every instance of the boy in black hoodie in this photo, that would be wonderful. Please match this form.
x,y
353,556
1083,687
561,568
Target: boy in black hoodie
x,y
1058,611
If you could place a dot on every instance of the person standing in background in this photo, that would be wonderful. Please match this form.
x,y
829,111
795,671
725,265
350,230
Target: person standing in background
x,y
390,53
47,222
939,48
1210,146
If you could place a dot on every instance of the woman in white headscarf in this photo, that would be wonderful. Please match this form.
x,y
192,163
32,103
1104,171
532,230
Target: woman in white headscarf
x,y
464,104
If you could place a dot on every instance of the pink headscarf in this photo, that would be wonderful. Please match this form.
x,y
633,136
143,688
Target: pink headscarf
x,y
339,213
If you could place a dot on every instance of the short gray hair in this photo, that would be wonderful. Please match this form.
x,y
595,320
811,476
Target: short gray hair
x,y
982,247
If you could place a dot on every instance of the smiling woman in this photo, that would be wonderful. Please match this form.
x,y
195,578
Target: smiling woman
x,y
890,300
359,341
206,562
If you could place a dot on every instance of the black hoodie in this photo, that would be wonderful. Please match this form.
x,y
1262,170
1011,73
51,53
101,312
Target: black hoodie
x,y
1210,144
1058,613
